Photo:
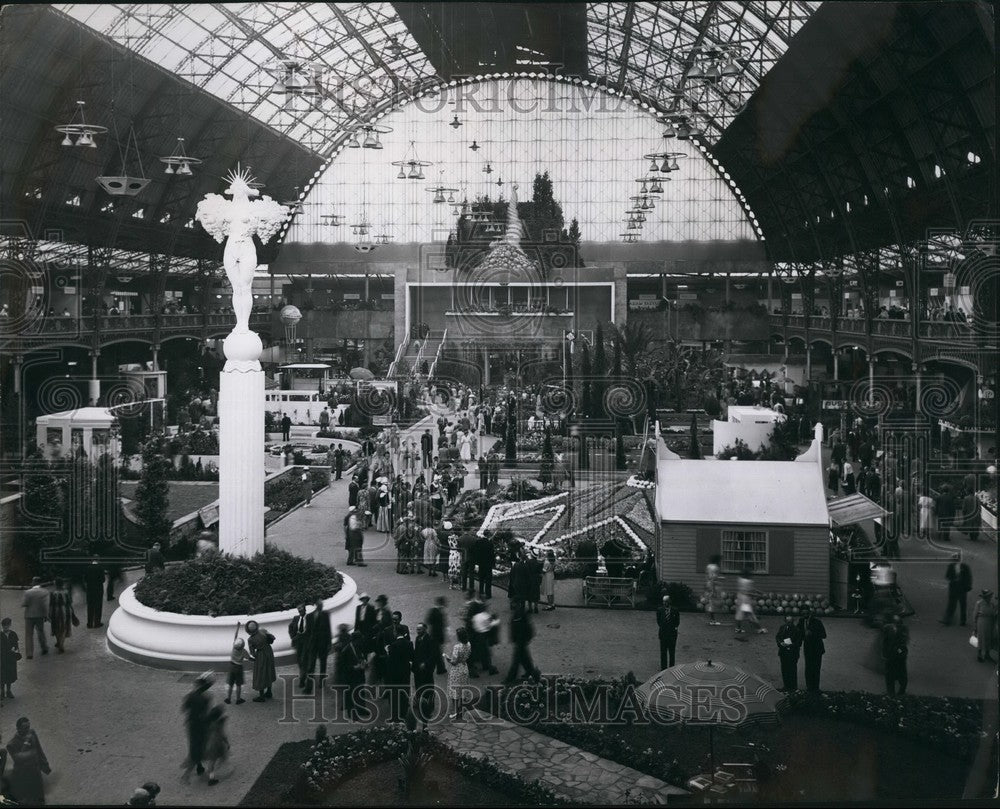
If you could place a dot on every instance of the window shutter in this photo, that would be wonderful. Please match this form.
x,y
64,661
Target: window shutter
x,y
781,552
708,543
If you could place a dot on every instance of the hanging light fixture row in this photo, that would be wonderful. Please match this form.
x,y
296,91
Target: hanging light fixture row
x,y
715,63
79,128
177,162
664,162
411,167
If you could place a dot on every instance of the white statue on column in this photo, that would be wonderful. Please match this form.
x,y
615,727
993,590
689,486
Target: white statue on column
x,y
240,219
241,383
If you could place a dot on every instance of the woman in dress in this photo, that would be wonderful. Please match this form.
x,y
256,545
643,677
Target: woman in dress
x,y
10,653
384,522
260,651
712,579
454,562
925,508
744,603
465,447
458,670
364,507
984,619
549,579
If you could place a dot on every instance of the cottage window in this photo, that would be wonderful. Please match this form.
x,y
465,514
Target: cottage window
x,y
744,549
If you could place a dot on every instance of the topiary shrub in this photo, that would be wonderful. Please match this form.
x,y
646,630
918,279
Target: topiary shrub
x,y
226,585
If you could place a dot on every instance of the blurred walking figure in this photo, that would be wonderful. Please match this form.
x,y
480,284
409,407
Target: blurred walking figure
x,y
61,615
216,743
36,612
744,603
196,707
712,601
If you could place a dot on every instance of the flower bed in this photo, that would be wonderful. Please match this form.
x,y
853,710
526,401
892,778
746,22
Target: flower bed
x,y
925,744
332,759
223,585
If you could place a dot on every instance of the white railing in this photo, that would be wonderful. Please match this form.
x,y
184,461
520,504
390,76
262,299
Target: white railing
x,y
437,355
395,361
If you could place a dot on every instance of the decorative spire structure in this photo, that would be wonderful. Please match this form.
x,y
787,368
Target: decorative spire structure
x,y
505,258
514,230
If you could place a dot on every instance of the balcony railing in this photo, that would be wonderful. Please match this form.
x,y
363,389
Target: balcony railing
x,y
142,324
881,327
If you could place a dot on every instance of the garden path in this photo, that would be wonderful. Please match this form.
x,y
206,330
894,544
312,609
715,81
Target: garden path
x,y
568,771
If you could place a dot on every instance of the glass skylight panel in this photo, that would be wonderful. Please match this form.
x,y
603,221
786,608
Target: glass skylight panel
x,y
201,44
593,159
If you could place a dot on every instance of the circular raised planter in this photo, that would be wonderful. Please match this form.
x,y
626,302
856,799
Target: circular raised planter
x,y
169,640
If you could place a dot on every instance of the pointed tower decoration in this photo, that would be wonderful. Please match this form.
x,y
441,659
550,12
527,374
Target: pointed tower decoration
x,y
514,230
505,260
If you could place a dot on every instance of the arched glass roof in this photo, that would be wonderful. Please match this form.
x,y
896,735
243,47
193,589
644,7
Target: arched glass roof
x,y
364,51
592,144
649,49
367,59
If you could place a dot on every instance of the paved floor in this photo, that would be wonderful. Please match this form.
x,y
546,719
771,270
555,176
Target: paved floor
x,y
107,725
568,771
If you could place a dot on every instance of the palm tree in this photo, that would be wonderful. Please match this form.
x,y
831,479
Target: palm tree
x,y
634,339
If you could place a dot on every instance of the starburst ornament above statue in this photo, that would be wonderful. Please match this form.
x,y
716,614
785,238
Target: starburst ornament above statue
x,y
236,221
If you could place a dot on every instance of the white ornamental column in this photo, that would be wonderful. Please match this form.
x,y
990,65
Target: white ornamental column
x,y
241,387
241,446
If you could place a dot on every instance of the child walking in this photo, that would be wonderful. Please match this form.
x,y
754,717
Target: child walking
x,y
236,659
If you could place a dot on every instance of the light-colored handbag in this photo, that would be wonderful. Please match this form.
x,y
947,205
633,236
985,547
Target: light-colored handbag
x,y
973,641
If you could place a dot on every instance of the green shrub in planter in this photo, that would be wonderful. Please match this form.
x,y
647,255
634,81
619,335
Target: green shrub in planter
x,y
226,585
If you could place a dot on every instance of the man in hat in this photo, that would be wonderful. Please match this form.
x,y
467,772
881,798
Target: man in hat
x,y
984,619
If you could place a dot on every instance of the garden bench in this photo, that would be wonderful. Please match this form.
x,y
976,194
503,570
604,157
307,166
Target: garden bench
x,y
609,589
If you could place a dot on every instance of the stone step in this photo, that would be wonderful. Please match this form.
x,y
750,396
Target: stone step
x,y
570,772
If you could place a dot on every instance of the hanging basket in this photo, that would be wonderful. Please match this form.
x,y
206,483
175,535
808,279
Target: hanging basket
x,y
124,184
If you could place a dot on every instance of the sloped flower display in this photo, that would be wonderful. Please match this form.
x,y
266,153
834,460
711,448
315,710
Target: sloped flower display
x,y
596,514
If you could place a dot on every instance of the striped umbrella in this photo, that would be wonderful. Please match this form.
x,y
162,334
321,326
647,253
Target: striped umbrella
x,y
713,694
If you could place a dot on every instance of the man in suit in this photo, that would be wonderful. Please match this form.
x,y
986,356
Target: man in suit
x,y
286,427
426,448
426,657
789,641
812,632
299,630
154,559
484,557
320,639
467,579
36,612
338,460
668,620
396,626
521,633
959,578
437,628
93,580
484,472
520,581
398,665
352,491
945,510
364,619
